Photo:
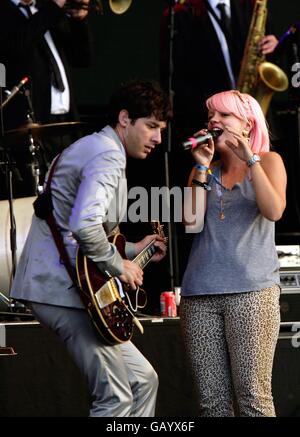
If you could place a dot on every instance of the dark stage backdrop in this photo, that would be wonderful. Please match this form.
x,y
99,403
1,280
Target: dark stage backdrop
x,y
127,46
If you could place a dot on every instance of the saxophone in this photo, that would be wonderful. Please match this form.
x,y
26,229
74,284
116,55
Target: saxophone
x,y
258,77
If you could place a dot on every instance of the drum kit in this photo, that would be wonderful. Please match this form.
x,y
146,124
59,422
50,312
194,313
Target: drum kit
x,y
40,131
15,214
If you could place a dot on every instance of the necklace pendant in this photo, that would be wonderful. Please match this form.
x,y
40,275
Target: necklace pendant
x,y
221,215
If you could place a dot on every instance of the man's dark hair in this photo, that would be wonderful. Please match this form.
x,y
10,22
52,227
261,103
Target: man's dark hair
x,y
140,99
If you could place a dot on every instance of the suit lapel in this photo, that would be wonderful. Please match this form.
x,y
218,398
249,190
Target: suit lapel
x,y
207,24
241,15
213,48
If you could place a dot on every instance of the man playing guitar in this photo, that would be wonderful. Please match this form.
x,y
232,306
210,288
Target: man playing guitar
x,y
89,198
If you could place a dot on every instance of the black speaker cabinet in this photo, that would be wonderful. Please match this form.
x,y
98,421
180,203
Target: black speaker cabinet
x,y
286,375
290,295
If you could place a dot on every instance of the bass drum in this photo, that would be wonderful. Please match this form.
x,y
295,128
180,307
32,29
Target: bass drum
x,y
23,210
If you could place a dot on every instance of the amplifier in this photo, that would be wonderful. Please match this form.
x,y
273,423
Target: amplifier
x,y
290,295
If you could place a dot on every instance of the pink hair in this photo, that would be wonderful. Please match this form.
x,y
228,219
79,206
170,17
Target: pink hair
x,y
244,107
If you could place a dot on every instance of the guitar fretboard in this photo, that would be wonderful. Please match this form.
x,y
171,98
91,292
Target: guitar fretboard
x,y
146,254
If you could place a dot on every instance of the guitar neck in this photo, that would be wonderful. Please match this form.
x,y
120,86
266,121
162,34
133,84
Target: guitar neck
x,y
145,255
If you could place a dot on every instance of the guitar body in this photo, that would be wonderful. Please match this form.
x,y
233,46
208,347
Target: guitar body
x,y
110,303
102,298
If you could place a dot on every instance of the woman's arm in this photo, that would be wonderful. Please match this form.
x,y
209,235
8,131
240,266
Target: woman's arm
x,y
269,181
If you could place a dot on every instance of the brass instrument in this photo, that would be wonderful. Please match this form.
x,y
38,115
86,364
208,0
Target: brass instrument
x,y
117,6
258,77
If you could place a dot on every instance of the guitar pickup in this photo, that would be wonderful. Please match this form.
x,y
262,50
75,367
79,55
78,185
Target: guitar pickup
x,y
107,294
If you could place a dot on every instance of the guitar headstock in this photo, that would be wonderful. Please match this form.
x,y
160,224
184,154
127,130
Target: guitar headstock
x,y
158,229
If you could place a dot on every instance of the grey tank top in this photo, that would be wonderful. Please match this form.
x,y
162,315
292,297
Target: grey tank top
x,y
236,254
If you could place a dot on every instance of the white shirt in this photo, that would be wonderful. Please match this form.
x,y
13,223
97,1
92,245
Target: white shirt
x,y
60,101
220,35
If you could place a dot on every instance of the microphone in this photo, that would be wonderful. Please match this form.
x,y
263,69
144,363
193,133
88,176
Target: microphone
x,y
15,91
193,142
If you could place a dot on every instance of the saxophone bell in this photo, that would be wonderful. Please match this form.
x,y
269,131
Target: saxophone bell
x,y
117,6
258,77
271,79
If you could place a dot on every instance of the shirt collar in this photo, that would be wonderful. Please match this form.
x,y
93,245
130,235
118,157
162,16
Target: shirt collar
x,y
214,3
16,2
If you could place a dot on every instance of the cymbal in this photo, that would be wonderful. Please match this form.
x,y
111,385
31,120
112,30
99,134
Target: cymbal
x,y
41,131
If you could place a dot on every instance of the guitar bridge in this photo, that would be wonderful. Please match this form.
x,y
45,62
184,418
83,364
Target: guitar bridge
x,y
107,294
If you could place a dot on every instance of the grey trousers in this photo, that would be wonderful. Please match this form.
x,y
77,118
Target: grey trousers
x,y
230,342
121,381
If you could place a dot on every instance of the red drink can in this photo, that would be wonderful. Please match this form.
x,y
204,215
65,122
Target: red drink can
x,y
167,304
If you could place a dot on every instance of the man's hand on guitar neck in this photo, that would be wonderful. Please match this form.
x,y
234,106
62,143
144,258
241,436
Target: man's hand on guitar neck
x,y
159,244
133,274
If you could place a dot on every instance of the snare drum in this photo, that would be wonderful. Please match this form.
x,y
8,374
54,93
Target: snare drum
x,y
23,211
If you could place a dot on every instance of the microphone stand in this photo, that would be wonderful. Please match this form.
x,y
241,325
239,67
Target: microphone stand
x,y
172,237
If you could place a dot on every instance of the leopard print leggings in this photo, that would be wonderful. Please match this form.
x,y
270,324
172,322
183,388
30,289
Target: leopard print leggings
x,y
230,342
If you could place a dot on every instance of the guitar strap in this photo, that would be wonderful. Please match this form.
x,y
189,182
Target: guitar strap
x,y
43,208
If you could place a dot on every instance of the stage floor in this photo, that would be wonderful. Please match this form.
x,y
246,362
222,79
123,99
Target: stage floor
x,y
42,380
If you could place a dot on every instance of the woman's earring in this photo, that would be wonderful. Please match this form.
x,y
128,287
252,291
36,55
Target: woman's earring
x,y
245,134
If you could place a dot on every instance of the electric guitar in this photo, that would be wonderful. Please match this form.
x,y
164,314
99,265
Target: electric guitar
x,y
110,303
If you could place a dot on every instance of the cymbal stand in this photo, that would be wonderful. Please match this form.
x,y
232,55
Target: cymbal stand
x,y
8,171
34,146
35,165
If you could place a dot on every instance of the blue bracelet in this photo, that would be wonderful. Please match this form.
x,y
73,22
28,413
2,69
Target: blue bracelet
x,y
201,167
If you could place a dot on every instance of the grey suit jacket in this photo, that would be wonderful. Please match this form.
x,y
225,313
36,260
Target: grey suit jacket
x,y
89,192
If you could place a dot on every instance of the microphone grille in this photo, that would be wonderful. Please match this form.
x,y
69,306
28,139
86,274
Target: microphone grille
x,y
216,132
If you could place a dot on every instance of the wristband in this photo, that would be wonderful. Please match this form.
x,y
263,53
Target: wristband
x,y
201,167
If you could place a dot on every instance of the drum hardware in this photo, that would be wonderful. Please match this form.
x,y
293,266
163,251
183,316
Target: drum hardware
x,y
8,165
4,299
5,350
8,171
13,247
23,211
18,212
34,165
31,133
39,131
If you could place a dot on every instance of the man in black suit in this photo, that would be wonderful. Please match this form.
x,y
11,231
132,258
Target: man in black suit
x,y
205,59
24,42
41,39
